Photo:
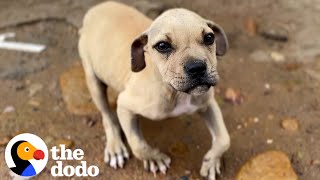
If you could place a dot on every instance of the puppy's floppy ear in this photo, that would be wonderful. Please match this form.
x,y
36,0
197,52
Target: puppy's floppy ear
x,y
221,38
137,53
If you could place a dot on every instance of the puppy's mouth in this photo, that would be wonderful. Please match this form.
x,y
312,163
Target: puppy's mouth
x,y
199,85
195,86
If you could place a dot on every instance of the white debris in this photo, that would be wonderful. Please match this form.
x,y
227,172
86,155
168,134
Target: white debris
x,y
269,141
8,109
277,57
19,46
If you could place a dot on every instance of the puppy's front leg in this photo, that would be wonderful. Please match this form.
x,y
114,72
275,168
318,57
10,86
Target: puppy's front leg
x,y
220,140
153,159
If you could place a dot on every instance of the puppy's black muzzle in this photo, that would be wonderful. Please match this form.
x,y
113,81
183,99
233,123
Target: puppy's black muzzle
x,y
196,71
195,68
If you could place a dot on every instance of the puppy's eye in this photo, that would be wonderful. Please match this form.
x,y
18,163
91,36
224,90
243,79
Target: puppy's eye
x,y
208,39
163,47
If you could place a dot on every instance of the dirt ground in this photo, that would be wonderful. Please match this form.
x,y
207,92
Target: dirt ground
x,y
294,86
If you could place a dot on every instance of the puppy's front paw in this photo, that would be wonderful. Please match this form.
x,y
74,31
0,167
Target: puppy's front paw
x,y
115,154
153,160
210,166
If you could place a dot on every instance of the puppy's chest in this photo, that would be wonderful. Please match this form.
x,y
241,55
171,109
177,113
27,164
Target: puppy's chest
x,y
184,105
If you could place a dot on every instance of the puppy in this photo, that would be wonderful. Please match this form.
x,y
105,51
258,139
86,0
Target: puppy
x,y
162,68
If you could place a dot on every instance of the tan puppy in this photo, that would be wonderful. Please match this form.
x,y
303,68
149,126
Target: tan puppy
x,y
172,70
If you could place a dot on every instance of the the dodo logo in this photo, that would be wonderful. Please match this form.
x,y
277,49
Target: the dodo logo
x,y
26,155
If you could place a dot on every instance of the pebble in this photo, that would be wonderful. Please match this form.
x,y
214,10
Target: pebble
x,y
8,109
48,140
269,141
292,66
34,89
277,57
290,124
267,165
250,26
233,96
187,172
67,142
89,121
34,103
260,56
270,116
273,32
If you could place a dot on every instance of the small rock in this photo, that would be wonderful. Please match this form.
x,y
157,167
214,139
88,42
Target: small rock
x,y
277,57
250,26
67,142
48,140
179,149
233,96
8,109
270,116
89,121
34,103
255,120
314,74
315,162
267,89
260,56
4,141
267,86
239,126
290,124
292,66
187,172
273,32
19,86
35,88
269,141
273,165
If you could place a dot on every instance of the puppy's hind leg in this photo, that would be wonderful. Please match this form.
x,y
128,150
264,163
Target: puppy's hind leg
x,y
115,151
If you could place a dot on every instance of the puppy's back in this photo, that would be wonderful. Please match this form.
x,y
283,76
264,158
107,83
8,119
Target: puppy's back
x,y
105,39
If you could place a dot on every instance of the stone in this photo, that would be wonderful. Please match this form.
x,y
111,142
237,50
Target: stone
x,y
290,124
34,103
67,142
260,56
8,109
250,26
75,92
273,165
273,31
233,96
277,57
34,89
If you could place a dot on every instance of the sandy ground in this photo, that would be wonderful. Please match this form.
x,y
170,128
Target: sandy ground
x,y
294,83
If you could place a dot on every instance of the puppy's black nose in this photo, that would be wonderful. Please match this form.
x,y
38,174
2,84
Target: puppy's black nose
x,y
195,67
